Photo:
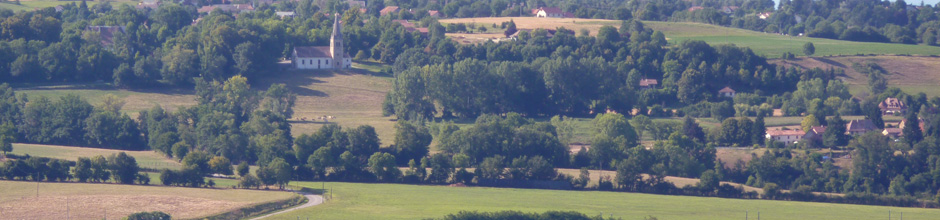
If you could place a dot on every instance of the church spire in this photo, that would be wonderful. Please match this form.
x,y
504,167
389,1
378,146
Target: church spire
x,y
336,43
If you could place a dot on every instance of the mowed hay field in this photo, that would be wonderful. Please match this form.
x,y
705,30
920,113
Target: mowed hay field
x,y
769,45
352,97
36,4
912,74
146,159
113,201
395,201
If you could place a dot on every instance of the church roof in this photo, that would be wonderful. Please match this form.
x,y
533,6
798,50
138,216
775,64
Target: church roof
x,y
315,52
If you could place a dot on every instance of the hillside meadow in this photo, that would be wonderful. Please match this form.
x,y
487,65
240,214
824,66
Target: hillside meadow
x,y
911,74
765,44
20,200
395,201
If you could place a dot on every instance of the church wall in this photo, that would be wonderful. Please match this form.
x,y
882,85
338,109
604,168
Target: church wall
x,y
313,63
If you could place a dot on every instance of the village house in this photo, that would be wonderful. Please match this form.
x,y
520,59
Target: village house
x,y
815,133
892,106
329,57
106,33
726,92
231,8
764,15
434,13
893,132
648,84
695,8
552,12
284,14
388,10
785,136
860,126
411,27
729,9
151,4
357,4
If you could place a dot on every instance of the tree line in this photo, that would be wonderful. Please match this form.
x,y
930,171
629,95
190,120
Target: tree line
x,y
119,167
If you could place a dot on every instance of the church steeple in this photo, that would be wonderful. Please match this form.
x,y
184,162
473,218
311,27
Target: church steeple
x,y
336,44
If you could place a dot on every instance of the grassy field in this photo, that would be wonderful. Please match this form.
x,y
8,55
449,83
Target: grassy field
x,y
393,201
770,45
147,159
912,74
34,4
112,201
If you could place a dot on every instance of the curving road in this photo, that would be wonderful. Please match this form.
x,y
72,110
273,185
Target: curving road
x,y
312,200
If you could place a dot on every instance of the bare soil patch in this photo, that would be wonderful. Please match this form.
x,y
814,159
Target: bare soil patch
x,y
903,70
112,206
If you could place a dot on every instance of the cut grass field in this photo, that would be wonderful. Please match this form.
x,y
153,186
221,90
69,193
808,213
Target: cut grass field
x,y
912,74
394,201
146,159
112,201
36,4
769,45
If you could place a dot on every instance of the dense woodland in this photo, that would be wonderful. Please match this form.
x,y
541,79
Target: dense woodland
x,y
504,86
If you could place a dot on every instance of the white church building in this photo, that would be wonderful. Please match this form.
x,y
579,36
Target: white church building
x,y
326,57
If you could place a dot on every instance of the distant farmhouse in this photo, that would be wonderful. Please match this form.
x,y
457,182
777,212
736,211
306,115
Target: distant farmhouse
x,y
388,10
328,57
231,8
552,12
727,92
892,106
106,33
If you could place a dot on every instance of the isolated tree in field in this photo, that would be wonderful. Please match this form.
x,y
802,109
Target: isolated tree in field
x,y
510,28
809,49
124,168
709,181
7,136
242,168
221,165
384,167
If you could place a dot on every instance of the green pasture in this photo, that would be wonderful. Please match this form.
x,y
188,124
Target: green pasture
x,y
774,45
395,201
145,159
35,4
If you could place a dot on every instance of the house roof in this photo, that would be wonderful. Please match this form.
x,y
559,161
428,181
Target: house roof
x,y
226,7
818,129
361,4
106,33
774,133
405,23
892,104
553,10
726,90
695,8
388,9
434,13
648,82
893,131
860,125
535,11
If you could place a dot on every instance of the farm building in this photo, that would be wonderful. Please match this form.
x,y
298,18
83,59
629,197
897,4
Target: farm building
x,y
388,10
860,126
892,106
552,12
330,57
648,84
726,92
785,136
434,13
815,133
893,132
231,8
106,33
